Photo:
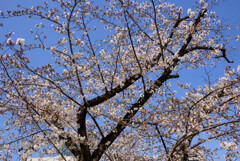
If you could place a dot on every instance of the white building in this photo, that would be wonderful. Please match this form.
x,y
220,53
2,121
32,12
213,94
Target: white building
x,y
57,158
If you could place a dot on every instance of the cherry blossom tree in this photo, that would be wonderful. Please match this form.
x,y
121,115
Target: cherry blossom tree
x,y
110,89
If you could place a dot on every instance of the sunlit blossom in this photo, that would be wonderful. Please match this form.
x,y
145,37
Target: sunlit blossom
x,y
10,42
20,41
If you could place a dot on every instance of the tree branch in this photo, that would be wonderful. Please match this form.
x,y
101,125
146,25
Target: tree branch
x,y
164,145
210,48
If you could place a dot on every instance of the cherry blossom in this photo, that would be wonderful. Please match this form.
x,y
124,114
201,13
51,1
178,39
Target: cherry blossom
x,y
20,41
115,86
10,42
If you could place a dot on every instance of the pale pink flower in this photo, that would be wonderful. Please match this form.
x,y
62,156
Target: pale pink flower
x,y
20,41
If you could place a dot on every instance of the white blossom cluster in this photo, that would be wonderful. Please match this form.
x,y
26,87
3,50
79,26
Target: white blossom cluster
x,y
115,86
229,145
19,41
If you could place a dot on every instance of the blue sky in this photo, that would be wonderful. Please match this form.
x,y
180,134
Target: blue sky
x,y
228,11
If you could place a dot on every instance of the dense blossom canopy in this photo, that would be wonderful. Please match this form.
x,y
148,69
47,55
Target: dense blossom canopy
x,y
110,89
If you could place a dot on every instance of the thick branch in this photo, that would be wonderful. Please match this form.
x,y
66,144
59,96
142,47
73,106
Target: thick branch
x,y
109,94
109,139
196,132
210,48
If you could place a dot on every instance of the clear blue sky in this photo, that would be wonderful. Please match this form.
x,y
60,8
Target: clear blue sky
x,y
228,11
